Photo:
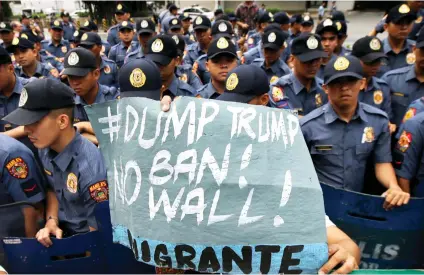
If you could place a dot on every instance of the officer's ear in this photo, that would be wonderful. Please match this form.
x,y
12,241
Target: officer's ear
x,y
207,65
363,83
264,99
385,26
290,61
414,48
10,68
325,88
96,74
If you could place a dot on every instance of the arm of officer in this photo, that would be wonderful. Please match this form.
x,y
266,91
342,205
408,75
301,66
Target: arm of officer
x,y
52,221
16,133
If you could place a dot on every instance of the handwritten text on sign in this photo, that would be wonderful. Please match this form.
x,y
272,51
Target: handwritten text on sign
x,y
211,186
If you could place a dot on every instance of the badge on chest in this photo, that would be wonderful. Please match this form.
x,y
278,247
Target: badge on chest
x,y
72,183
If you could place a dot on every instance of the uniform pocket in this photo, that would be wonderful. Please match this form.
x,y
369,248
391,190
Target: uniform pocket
x,y
327,155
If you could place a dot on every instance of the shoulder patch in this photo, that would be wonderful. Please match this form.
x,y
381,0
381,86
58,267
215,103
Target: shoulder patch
x,y
312,115
99,191
17,168
404,141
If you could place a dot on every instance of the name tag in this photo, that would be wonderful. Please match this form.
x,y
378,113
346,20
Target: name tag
x,y
323,147
398,94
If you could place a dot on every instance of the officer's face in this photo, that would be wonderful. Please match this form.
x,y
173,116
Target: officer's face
x,y
143,38
203,36
25,21
7,71
419,58
261,100
329,42
219,66
126,35
285,27
186,24
176,31
343,92
7,37
400,30
122,17
295,27
306,69
26,57
371,69
306,29
272,55
65,19
56,34
45,132
83,85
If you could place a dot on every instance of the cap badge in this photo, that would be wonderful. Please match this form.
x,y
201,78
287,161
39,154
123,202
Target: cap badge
x,y
56,23
175,37
306,18
341,64
124,24
23,98
15,41
86,23
144,24
222,27
174,22
378,97
375,44
419,20
232,82
285,44
137,78
119,7
73,59
84,37
24,36
339,25
312,43
64,49
72,183
410,58
106,69
271,15
272,37
404,9
327,22
2,25
222,43
199,20
157,46
76,33
186,14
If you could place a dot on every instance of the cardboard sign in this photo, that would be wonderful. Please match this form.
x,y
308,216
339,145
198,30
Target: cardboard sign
x,y
211,186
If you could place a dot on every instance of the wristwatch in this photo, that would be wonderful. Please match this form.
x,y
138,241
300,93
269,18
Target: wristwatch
x,y
53,218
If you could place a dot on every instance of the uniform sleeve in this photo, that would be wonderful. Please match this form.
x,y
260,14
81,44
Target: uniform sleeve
x,y
115,76
112,54
382,152
195,81
379,28
387,102
110,38
277,98
328,222
23,178
408,150
187,59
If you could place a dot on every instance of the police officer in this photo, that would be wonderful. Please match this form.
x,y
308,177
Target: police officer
x,y
273,42
90,26
341,23
262,21
145,31
108,68
74,167
301,90
122,13
283,19
295,26
344,134
163,51
83,77
184,71
68,27
76,39
175,26
327,29
370,52
6,34
119,51
202,29
405,83
173,12
186,23
307,24
221,59
164,13
57,46
26,55
25,21
397,47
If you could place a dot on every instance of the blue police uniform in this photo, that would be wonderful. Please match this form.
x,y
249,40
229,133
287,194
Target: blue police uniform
x,y
112,35
289,93
277,70
103,94
208,91
340,150
105,48
108,73
404,88
78,176
165,23
193,53
344,52
254,40
185,74
395,61
200,69
59,51
43,70
252,54
118,52
189,38
416,107
68,31
134,55
377,94
180,88
50,59
408,159
418,24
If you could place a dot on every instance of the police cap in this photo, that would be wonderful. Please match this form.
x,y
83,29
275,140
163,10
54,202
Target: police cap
x,y
272,26
337,15
121,9
222,28
327,25
175,24
161,49
343,66
179,40
307,20
145,26
185,16
244,83
264,17
4,57
420,38
201,23
140,78
79,62
77,36
38,98
31,36
281,18
296,19
20,43
88,26
56,25
90,39
222,45
400,12
232,17
368,49
274,39
307,47
125,25
5,27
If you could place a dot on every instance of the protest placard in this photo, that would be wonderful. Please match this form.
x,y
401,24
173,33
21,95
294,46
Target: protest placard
x,y
211,186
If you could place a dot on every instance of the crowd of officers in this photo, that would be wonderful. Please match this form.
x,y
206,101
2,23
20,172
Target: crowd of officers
x,y
360,110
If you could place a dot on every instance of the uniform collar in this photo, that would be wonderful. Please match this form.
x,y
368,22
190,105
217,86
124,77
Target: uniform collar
x,y
60,43
387,48
100,97
198,49
63,159
411,73
18,85
102,63
274,67
38,70
331,116
210,90
373,84
173,88
298,87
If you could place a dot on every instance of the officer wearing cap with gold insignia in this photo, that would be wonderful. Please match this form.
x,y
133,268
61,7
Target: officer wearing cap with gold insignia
x,y
203,32
406,83
273,44
376,93
339,18
397,46
90,26
6,34
26,56
163,51
73,166
108,68
344,134
263,20
122,13
68,26
146,29
329,34
306,24
301,89
57,46
119,51
186,23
